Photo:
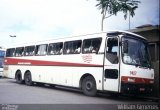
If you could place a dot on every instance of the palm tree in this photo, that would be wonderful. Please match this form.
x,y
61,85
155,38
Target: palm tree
x,y
112,7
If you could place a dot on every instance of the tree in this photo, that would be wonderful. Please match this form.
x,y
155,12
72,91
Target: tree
x,y
112,7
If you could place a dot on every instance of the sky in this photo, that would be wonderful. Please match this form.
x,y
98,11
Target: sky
x,y
38,20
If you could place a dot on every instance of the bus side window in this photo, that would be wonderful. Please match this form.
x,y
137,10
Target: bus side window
x,y
10,52
55,48
51,49
67,47
72,47
41,50
91,45
19,51
77,46
29,51
112,50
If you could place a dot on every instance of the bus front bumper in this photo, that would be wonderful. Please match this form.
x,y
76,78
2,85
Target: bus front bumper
x,y
132,88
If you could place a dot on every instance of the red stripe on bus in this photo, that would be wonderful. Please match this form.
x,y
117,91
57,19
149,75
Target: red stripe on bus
x,y
127,79
16,61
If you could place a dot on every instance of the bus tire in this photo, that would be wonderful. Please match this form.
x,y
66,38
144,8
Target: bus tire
x,y
89,86
18,77
28,79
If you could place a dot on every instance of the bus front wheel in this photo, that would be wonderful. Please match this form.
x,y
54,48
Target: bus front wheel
x,y
89,86
28,79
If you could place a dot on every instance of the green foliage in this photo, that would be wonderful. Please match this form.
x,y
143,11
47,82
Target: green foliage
x,y
115,6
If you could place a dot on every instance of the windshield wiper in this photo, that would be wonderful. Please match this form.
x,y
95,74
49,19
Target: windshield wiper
x,y
137,64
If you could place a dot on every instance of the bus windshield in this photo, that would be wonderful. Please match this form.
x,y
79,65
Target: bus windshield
x,y
2,53
135,52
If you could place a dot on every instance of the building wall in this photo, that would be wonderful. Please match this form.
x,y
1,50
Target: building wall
x,y
151,35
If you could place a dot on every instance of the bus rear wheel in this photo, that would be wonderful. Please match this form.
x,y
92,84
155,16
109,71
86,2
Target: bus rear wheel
x,y
89,86
28,79
18,77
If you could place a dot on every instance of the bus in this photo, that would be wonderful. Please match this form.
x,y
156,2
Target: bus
x,y
112,61
2,54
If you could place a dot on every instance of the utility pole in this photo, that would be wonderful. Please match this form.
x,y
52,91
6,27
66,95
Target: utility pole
x,y
12,36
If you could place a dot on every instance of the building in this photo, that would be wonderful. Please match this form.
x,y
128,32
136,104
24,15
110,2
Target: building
x,y
152,33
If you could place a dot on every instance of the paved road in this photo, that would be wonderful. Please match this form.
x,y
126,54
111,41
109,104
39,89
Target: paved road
x,y
19,94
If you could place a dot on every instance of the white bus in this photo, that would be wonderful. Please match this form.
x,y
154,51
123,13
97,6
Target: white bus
x,y
113,61
2,54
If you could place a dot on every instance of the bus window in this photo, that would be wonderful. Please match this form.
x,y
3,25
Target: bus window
x,y
72,47
112,50
2,54
10,52
41,49
91,45
29,51
19,51
55,48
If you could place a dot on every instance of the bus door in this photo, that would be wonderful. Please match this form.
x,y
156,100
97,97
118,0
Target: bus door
x,y
111,65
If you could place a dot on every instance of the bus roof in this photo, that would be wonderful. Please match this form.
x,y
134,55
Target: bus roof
x,y
79,37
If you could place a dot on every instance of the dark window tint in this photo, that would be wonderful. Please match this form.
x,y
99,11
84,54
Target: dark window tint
x,y
91,45
111,73
19,51
41,49
29,51
112,50
72,47
55,48
10,52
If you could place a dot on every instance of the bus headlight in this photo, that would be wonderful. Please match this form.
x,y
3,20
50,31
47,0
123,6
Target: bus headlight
x,y
131,80
151,82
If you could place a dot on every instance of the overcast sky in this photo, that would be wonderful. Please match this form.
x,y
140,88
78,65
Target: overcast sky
x,y
36,20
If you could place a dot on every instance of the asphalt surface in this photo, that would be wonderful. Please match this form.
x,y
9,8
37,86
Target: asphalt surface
x,y
15,96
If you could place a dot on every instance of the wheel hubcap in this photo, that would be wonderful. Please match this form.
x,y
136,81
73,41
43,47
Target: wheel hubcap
x,y
89,85
28,78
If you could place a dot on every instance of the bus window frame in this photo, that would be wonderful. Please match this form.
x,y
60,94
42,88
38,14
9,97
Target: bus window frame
x,y
36,51
20,54
29,53
91,50
60,51
74,50
13,53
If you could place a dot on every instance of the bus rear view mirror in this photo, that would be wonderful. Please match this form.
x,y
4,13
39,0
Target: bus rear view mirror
x,y
125,46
